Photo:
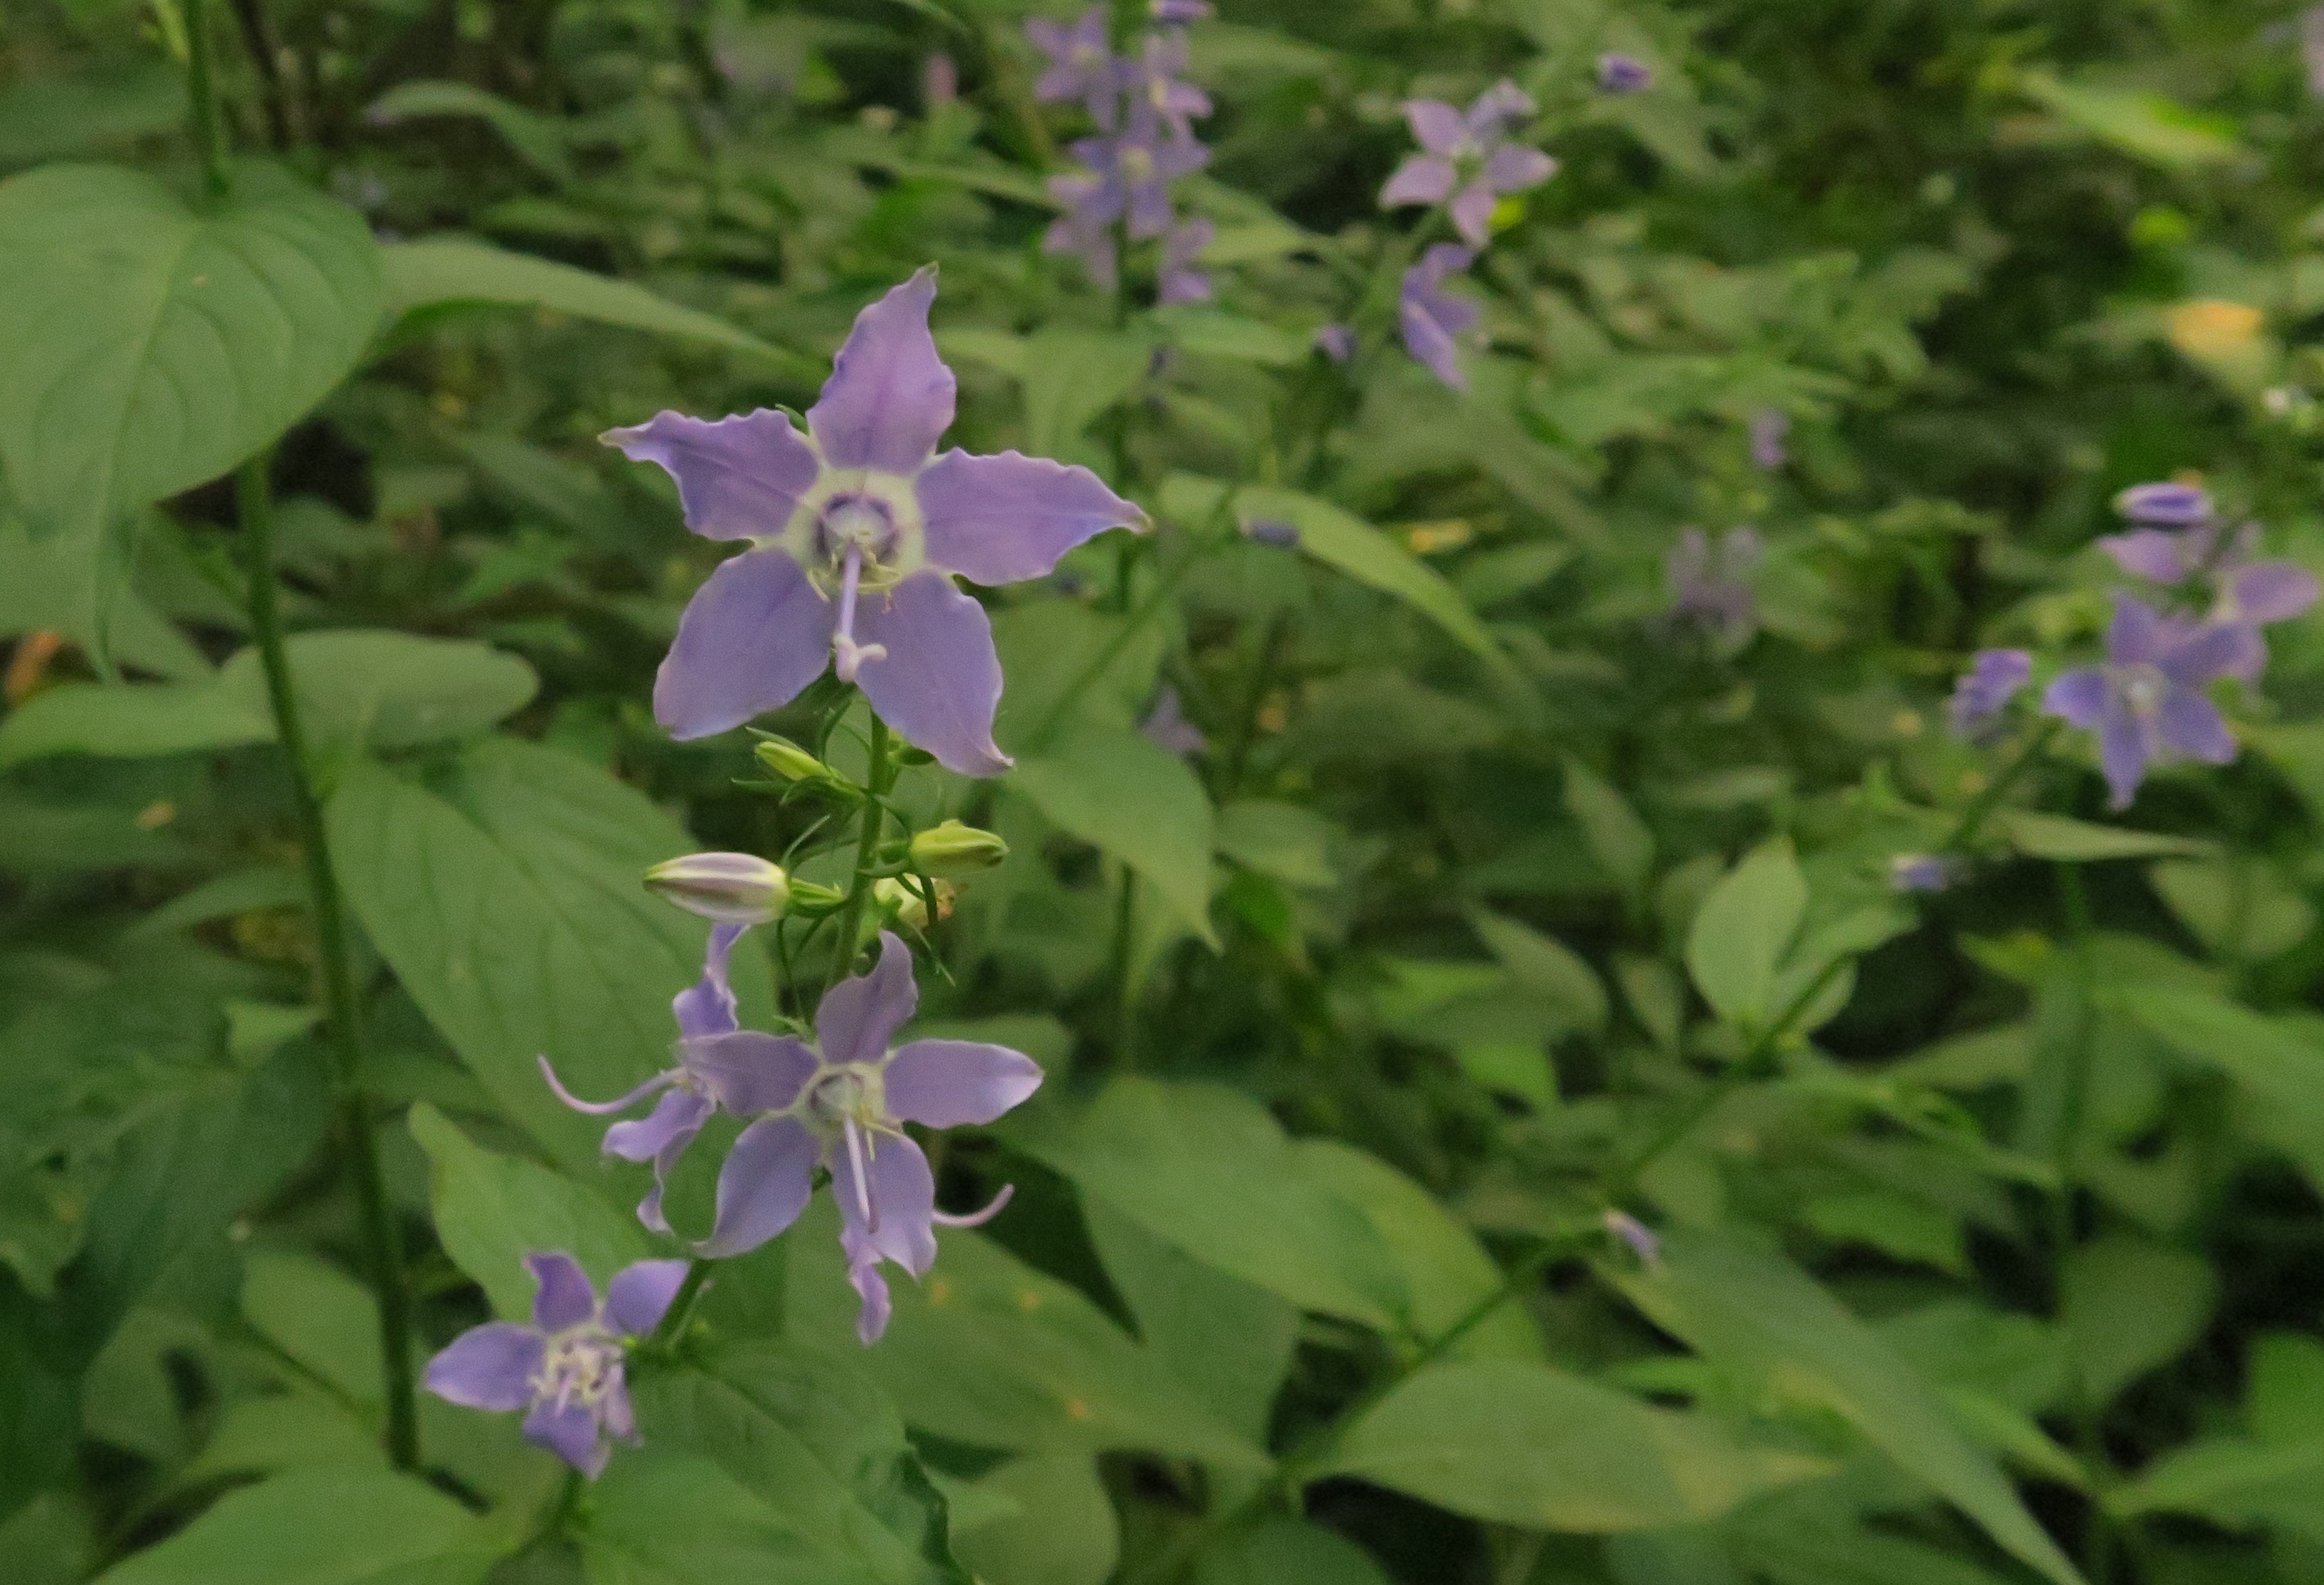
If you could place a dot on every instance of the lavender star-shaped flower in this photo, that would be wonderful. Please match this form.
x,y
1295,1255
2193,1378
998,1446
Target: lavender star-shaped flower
x,y
841,1103
1161,101
1467,158
856,530
1991,681
2247,594
2146,702
1434,320
565,1368
1711,585
1081,64
1165,726
1179,280
1128,178
1085,229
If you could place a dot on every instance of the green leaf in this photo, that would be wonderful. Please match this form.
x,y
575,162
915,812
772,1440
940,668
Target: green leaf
x,y
811,1444
318,1316
1518,1443
1115,789
1063,1531
151,347
2280,1070
2131,1305
1209,332
1544,966
505,894
457,269
1279,1550
1759,1315
539,138
1072,376
1207,1169
2232,1481
45,115
1447,1273
492,1210
989,1353
341,1526
388,689
2238,907
1742,932
2053,836
1065,660
1618,840
1284,841
2147,126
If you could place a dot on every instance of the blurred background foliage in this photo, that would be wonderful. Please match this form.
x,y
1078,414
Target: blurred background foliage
x,y
1988,1223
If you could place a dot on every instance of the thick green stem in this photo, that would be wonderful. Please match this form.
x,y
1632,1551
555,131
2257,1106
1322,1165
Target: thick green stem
x,y
381,1245
673,1320
879,780
201,91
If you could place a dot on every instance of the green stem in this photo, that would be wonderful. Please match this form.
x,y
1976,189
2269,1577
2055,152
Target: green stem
x,y
201,90
2098,1534
1125,951
877,779
1981,807
382,1245
1165,584
673,1320
1264,667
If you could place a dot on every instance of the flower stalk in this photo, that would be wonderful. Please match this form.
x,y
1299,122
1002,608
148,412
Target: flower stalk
x,y
382,1245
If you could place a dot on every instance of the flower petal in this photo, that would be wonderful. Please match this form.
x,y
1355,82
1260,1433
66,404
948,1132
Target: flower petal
x,y
1422,179
939,682
2151,554
1437,125
945,1083
755,634
2273,590
706,1007
2212,650
737,476
1002,520
565,1296
640,1294
872,1319
675,1120
2135,635
1514,167
890,396
763,1186
859,1017
2191,725
1472,212
2078,696
2122,755
903,1198
573,1434
488,1367
750,1072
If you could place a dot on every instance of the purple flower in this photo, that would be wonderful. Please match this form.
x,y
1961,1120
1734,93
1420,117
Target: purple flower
x,y
1467,159
1273,530
1623,74
1132,174
1178,13
1085,230
1711,585
1159,100
2248,593
1768,427
2146,701
856,530
1165,724
1081,64
1434,320
2165,505
1640,1237
939,82
840,1103
1991,681
1180,281
690,1091
1919,872
566,1367
1336,342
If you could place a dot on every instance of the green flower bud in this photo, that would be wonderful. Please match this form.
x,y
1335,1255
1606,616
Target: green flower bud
x,y
734,888
953,849
787,759
812,900
899,902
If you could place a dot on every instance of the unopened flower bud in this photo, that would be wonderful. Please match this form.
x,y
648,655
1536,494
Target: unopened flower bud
x,y
901,902
733,888
787,759
955,849
811,899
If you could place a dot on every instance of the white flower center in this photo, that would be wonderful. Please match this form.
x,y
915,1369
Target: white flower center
x,y
581,1365
2143,689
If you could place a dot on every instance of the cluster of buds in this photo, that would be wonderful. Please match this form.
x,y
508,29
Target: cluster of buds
x,y
1144,110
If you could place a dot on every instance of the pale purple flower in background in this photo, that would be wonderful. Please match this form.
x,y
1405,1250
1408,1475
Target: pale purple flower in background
x,y
1273,530
1336,342
1710,585
1434,320
940,83
689,1092
1160,101
1085,230
1178,13
1467,159
2166,504
1636,1234
1768,427
2146,702
1986,688
1127,178
567,1368
1081,64
841,1103
1919,872
1623,74
2248,594
1182,246
1165,726
856,530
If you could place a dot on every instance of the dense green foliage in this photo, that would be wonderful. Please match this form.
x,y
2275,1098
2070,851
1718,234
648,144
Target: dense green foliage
x,y
1503,1121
